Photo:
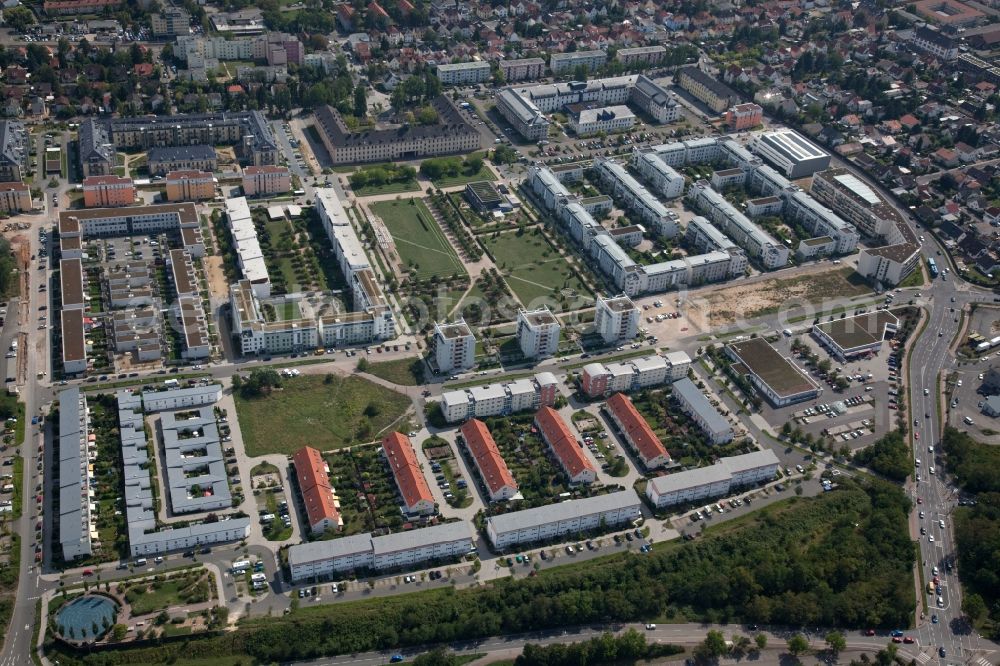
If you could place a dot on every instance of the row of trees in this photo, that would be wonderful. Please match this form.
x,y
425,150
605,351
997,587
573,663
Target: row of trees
x,y
604,649
382,174
843,558
456,225
890,456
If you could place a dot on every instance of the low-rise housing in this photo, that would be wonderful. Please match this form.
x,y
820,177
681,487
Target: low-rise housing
x,y
490,465
500,399
564,447
108,191
693,402
547,523
266,180
718,480
413,489
318,495
636,432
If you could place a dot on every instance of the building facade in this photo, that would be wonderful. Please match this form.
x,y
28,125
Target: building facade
x,y
108,191
499,399
454,347
15,197
724,477
188,185
266,180
616,318
464,73
692,401
538,333
561,63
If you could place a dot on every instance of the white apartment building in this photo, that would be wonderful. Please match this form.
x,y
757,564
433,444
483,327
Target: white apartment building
x,y
599,379
616,318
718,480
758,243
546,523
606,119
464,73
454,346
392,551
77,515
641,55
664,178
173,396
635,197
248,253
538,333
499,399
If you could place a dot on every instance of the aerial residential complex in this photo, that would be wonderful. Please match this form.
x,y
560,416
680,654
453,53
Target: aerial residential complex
x,y
140,506
402,460
716,95
538,333
636,432
318,495
591,60
490,465
563,445
616,318
362,552
525,108
500,398
77,450
454,346
694,403
875,218
464,73
452,134
600,379
195,472
716,480
13,151
248,131
546,523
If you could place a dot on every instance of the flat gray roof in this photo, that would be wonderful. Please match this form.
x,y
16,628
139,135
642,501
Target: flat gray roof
x,y
543,515
714,421
443,533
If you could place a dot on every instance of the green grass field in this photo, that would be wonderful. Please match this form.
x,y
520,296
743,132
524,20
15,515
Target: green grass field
x,y
535,271
419,240
288,310
323,412
404,371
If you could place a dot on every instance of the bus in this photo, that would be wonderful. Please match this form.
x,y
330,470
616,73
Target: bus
x,y
932,266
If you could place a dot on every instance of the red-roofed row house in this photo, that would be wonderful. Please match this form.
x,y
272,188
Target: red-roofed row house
x,y
560,439
637,432
318,496
413,488
492,468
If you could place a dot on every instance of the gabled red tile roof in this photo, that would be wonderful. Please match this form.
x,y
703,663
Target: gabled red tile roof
x,y
563,443
484,451
638,431
314,483
405,468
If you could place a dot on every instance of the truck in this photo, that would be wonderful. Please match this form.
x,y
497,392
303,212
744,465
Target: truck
x,y
239,566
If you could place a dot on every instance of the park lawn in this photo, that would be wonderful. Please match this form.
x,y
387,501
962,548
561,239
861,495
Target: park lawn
x,y
388,188
404,371
419,240
484,173
323,412
184,588
288,310
535,272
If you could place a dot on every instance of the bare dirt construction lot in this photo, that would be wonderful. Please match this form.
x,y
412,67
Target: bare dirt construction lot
x,y
217,283
759,297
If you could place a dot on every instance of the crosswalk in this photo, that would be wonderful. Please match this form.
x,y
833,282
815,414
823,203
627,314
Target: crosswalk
x,y
923,658
983,661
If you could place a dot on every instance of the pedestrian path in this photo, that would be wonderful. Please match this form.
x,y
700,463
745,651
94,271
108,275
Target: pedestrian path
x,y
923,657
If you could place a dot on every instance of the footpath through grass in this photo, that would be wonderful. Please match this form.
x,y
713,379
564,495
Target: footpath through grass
x,y
535,271
325,412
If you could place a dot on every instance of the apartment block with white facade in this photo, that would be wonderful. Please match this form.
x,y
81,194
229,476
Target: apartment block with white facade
x,y
499,399
546,523
454,346
661,176
464,73
538,333
567,62
693,402
600,379
718,480
616,318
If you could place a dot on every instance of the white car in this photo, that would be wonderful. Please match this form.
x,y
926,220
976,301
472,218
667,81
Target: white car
x,y
941,524
927,392
931,470
931,538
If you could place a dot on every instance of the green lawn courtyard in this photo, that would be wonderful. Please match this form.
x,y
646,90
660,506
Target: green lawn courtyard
x,y
535,271
419,240
325,412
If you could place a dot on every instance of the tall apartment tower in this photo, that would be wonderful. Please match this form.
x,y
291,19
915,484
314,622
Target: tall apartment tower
x,y
454,346
616,318
538,333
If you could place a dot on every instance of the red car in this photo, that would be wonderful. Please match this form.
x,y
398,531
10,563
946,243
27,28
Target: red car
x,y
897,639
88,572
916,435
919,501
909,639
870,632
892,406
